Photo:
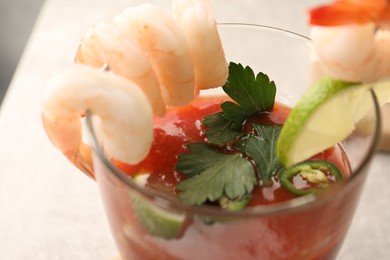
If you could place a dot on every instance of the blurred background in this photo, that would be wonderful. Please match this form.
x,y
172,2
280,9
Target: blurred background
x,y
17,18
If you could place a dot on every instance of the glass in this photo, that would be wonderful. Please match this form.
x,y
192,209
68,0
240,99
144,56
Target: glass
x,y
307,227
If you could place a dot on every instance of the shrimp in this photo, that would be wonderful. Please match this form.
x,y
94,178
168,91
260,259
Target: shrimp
x,y
153,64
351,40
166,45
196,19
343,12
105,44
124,116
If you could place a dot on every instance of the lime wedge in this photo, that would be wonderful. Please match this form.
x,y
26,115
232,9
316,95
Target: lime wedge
x,y
155,220
382,90
324,116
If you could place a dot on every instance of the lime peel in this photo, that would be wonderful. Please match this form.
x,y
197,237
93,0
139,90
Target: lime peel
x,y
157,221
325,115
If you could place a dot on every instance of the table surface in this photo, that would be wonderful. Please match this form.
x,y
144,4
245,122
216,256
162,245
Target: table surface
x,y
49,210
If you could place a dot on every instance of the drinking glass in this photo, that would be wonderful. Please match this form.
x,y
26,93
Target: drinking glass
x,y
307,227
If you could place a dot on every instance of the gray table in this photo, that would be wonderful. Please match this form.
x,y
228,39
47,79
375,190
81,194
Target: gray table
x,y
49,210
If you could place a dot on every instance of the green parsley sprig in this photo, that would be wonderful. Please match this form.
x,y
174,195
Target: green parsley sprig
x,y
214,175
210,181
252,94
262,149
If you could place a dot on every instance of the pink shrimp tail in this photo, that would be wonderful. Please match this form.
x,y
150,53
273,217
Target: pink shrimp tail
x,y
343,12
79,154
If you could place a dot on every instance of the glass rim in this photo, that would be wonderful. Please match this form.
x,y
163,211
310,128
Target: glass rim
x,y
166,201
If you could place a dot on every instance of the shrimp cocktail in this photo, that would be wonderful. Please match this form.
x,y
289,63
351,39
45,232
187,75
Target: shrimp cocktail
x,y
226,141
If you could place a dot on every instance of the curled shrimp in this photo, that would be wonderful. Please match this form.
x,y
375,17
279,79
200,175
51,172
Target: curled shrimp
x,y
185,56
123,114
351,39
105,43
196,19
164,41
153,64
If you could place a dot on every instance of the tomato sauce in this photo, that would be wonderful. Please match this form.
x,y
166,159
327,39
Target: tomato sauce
x,y
182,126
311,231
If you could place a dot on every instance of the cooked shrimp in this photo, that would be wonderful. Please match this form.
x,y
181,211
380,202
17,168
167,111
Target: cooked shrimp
x,y
343,12
105,43
142,46
199,26
165,43
123,115
351,41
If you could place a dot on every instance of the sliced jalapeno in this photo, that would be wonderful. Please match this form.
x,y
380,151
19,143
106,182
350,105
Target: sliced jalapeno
x,y
233,205
317,173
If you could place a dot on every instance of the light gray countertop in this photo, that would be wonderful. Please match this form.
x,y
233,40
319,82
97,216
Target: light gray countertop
x,y
49,210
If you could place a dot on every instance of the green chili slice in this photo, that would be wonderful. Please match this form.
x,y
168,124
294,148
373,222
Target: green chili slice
x,y
317,173
234,205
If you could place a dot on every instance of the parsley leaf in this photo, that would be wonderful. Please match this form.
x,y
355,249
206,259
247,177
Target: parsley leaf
x,y
262,149
234,113
214,175
200,158
220,130
252,94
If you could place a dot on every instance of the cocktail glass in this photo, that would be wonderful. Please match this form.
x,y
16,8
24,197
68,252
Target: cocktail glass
x,y
309,227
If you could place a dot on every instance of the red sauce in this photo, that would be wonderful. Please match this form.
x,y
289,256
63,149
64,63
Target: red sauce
x,y
184,125
171,133
313,231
